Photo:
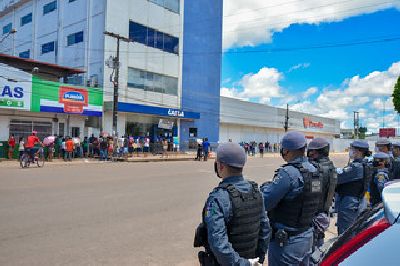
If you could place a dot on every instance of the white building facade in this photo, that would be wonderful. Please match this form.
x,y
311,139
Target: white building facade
x,y
151,85
243,121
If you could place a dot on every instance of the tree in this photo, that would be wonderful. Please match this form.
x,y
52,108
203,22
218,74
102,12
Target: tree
x,y
362,131
396,96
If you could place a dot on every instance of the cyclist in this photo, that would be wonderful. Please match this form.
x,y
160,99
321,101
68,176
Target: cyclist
x,y
30,145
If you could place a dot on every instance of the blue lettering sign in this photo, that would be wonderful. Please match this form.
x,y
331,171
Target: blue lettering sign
x,y
6,92
18,92
74,96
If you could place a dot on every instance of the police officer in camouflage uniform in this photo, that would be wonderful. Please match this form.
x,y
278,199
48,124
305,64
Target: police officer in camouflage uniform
x,y
352,184
318,154
292,200
381,164
396,160
235,229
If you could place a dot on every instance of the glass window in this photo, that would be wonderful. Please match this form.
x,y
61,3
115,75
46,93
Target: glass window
x,y
136,78
50,7
137,32
24,54
70,1
26,19
48,47
75,38
7,28
150,37
148,83
172,5
171,44
171,85
158,82
159,42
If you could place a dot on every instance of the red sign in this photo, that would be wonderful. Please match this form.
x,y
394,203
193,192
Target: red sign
x,y
73,99
308,123
387,132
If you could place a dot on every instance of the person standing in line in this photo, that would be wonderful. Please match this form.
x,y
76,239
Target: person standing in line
x,y
396,160
11,146
261,149
206,149
91,148
103,149
21,147
51,151
381,164
70,147
85,147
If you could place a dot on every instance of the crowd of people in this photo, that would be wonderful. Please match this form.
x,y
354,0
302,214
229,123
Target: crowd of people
x,y
252,148
103,147
287,218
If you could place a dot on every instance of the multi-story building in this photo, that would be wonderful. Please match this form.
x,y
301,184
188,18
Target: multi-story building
x,y
169,78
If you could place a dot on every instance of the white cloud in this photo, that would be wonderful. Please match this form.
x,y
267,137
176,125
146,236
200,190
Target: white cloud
x,y
251,22
261,86
298,66
363,94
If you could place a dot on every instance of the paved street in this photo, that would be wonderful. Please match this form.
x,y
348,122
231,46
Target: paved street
x,y
108,213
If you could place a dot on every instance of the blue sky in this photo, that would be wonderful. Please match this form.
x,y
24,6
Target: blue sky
x,y
361,75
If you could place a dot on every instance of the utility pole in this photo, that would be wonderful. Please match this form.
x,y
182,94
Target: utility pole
x,y
287,118
115,81
356,124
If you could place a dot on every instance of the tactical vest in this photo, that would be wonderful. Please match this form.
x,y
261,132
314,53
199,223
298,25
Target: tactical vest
x,y
358,187
300,211
329,180
244,227
396,168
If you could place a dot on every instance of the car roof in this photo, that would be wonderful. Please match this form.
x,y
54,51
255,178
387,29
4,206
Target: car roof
x,y
391,201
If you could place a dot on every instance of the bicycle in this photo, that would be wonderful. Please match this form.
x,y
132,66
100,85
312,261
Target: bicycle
x,y
26,159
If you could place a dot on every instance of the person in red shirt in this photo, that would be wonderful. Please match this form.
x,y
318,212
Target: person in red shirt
x,y
30,144
69,147
11,146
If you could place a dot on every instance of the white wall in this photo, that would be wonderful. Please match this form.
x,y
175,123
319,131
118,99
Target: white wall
x,y
4,127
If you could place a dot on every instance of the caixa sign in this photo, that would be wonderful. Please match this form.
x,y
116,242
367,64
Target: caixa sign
x,y
176,113
15,95
308,123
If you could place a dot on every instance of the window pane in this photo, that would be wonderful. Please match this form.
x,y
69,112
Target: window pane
x,y
24,54
79,37
135,78
171,85
49,7
172,5
171,44
148,83
159,40
137,32
158,83
7,28
150,37
47,47
26,19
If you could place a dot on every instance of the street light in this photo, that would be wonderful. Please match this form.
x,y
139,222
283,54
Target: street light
x,y
12,31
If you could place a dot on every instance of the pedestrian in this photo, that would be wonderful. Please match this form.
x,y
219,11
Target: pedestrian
x,y
318,154
165,148
351,185
253,148
69,149
291,200
199,150
381,164
50,150
59,146
261,149
396,160
21,147
91,146
63,148
267,146
206,149
110,147
96,147
146,146
235,229
130,146
85,147
103,149
11,146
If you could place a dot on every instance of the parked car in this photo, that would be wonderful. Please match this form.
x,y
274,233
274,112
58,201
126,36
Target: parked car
x,y
372,240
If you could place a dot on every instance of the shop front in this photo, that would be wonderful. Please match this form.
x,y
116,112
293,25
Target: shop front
x,y
154,122
29,103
